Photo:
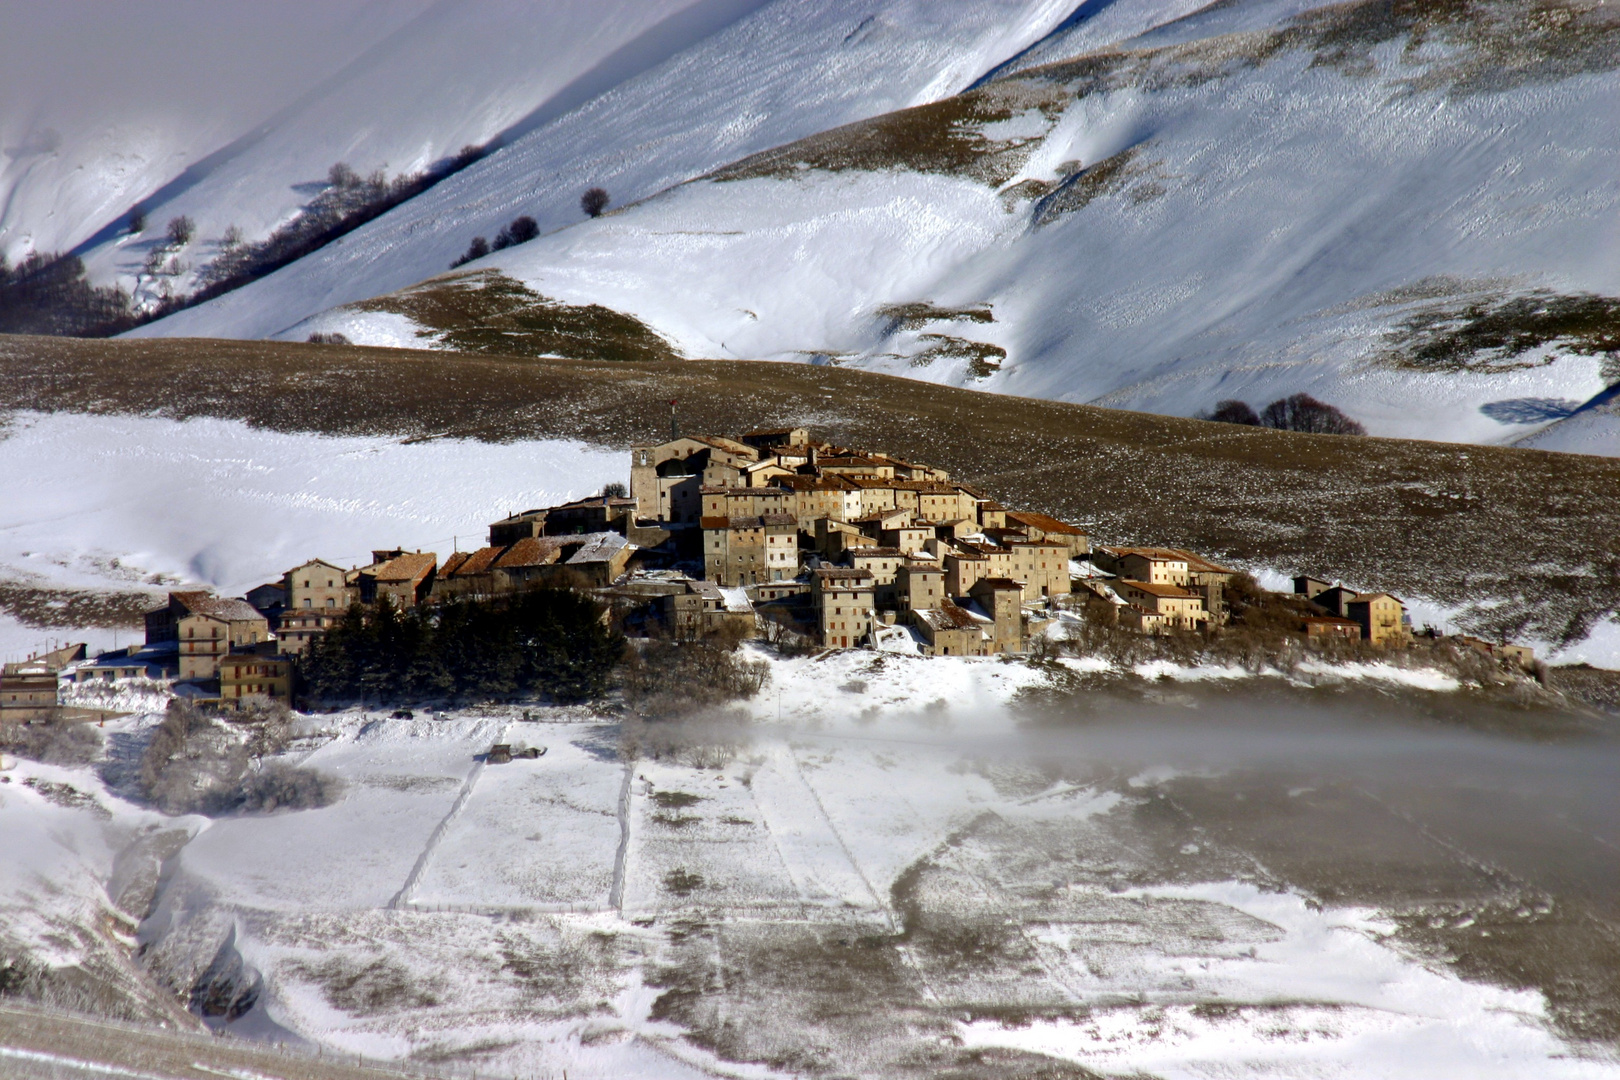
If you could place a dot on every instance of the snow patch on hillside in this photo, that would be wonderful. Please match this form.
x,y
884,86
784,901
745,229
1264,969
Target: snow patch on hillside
x,y
123,502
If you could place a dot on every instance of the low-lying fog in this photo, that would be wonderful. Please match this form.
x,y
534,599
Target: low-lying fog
x,y
885,867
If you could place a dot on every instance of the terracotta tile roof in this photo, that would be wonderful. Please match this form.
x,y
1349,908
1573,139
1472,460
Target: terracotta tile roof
x,y
413,566
868,552
1156,554
1044,522
530,551
469,563
779,519
999,583
949,616
1198,564
713,522
836,573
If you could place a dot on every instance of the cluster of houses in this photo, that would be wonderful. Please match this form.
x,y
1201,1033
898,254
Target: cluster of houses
x,y
769,531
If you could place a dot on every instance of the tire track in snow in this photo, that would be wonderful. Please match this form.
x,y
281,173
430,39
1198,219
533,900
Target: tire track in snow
x,y
616,893
877,901
403,897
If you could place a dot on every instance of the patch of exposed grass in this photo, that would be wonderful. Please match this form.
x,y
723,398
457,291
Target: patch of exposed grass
x,y
1505,333
1458,46
944,137
51,608
368,989
681,883
1108,177
916,316
983,360
484,311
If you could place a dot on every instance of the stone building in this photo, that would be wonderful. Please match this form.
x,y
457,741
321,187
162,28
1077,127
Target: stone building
x,y
842,599
1179,607
316,598
205,628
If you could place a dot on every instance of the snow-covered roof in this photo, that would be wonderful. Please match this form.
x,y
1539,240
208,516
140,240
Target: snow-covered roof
x,y
599,547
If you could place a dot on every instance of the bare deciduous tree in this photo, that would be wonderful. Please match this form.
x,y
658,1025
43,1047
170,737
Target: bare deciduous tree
x,y
593,202
1232,411
181,230
1302,412
342,175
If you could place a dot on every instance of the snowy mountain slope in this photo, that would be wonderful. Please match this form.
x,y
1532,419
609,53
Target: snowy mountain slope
x,y
1407,216
787,71
459,72
102,104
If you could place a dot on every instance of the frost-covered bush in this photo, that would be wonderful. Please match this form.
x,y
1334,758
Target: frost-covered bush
x,y
279,786
195,764
668,679
52,741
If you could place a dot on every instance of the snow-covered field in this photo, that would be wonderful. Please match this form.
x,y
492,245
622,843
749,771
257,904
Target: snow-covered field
x,y
576,911
120,502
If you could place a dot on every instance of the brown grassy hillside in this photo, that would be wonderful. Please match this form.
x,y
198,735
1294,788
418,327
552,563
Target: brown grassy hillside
x,y
1536,535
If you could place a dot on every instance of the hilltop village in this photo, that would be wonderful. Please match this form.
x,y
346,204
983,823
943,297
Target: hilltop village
x,y
773,533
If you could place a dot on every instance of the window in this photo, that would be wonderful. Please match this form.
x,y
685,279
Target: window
x,y
330,602
308,602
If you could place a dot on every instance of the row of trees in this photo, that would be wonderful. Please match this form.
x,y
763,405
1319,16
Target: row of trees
x,y
520,231
1297,412
49,294
524,229
553,642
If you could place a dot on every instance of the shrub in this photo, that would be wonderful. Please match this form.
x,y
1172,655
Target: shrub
x,y
52,741
1302,412
181,230
593,202
193,764
475,250
328,338
137,220
232,238
1232,411
614,489
521,231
